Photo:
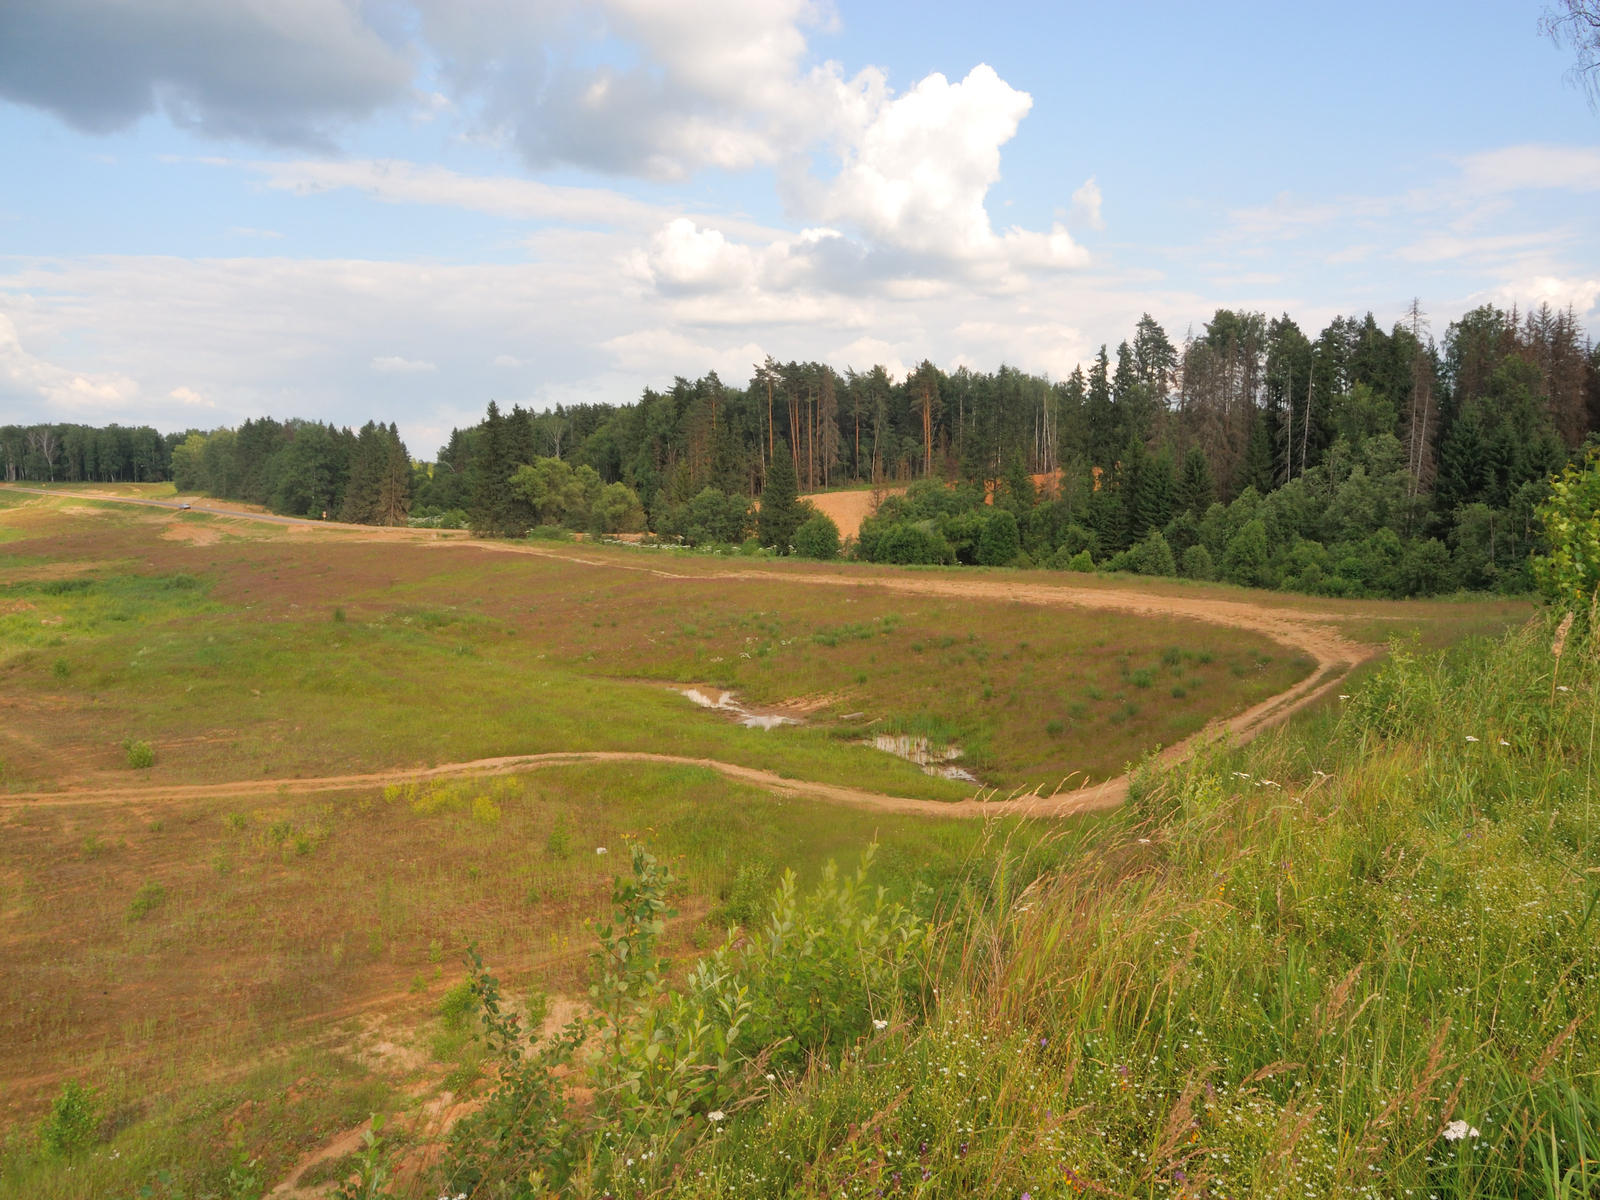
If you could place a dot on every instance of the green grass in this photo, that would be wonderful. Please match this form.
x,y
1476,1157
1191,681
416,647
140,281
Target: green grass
x,y
1284,972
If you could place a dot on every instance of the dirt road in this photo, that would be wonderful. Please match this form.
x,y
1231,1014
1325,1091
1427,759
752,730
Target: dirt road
x,y
1308,632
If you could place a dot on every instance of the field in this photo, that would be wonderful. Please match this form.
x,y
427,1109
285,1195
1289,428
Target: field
x,y
247,955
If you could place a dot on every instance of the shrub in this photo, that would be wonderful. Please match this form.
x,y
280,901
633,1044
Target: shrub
x,y
912,544
1075,539
748,893
150,896
1152,556
1246,559
817,538
617,510
1197,563
1426,569
458,1004
549,533
74,1118
712,517
141,755
1570,574
1001,541
1082,561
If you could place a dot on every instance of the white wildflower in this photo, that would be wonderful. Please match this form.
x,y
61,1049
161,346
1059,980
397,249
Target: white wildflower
x,y
1470,738
1561,687
1144,841
772,1079
880,1024
715,1116
1346,696
599,849
1457,1130
1503,742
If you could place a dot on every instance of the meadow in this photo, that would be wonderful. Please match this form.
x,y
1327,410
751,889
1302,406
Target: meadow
x,y
243,979
271,653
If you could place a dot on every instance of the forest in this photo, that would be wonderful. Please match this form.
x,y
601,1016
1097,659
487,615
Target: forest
x,y
1362,461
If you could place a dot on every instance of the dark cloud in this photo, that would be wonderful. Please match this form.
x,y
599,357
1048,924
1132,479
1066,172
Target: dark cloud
x,y
283,71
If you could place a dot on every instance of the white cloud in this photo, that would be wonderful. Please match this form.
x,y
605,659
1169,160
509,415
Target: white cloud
x,y
1516,168
914,175
190,396
398,182
30,383
662,353
506,360
1086,203
246,231
394,363
1580,294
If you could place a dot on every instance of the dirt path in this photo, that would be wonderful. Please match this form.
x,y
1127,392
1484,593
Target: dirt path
x,y
1308,632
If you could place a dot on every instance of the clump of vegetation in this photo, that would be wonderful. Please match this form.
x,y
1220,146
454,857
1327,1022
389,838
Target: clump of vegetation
x,y
141,755
73,1121
150,896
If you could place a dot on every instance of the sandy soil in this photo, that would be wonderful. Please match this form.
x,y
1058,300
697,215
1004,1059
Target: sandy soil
x,y
848,509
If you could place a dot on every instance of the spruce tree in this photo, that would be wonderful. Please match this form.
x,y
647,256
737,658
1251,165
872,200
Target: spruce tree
x,y
1462,465
1019,495
1258,470
780,507
491,475
1196,491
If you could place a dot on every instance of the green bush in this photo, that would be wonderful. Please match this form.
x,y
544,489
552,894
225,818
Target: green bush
x,y
912,544
549,533
1001,541
72,1123
150,896
1152,556
141,755
1197,563
457,1005
1570,574
817,538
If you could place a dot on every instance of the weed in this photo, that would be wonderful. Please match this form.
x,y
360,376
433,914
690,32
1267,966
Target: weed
x,y
74,1118
1093,693
236,821
435,951
141,755
338,615
93,847
150,896
559,843
61,669
1172,656
279,831
222,864
419,983
1178,692
458,1004
1055,728
1143,677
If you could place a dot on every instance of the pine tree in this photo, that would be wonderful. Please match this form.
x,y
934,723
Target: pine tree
x,y
780,510
1196,491
1133,484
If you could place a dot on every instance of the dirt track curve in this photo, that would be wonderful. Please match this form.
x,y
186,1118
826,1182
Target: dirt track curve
x,y
1308,632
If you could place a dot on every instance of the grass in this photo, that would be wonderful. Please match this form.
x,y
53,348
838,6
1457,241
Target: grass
x,y
333,908
230,658
1286,971
250,977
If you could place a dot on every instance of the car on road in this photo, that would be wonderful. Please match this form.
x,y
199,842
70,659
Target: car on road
x,y
184,505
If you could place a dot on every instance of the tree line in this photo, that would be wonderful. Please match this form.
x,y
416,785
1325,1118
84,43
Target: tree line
x,y
1362,460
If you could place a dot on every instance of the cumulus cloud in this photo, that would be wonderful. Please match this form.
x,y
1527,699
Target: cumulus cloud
x,y
280,71
507,360
189,396
1086,203
35,383
393,363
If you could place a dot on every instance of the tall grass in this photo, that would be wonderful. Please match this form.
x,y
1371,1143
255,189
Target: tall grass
x,y
1357,958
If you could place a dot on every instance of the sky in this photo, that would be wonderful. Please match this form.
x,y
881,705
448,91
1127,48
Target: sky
x,y
219,209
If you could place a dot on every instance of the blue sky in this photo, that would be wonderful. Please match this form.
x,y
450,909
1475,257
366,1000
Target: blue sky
x,y
215,209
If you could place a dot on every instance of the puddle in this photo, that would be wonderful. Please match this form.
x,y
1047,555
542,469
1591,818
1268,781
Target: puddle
x,y
933,761
726,702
